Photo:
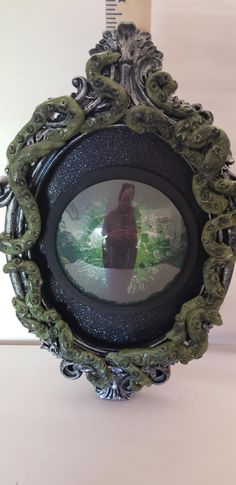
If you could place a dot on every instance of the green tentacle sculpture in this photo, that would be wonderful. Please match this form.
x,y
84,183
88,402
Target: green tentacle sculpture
x,y
160,86
22,157
47,323
107,89
191,134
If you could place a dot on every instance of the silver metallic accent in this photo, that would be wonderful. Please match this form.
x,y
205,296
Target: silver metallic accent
x,y
118,388
70,370
14,225
52,345
159,375
5,191
228,271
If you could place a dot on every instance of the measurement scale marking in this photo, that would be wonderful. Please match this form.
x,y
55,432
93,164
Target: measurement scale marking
x,y
136,11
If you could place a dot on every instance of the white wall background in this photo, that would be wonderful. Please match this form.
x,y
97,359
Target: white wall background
x,y
45,44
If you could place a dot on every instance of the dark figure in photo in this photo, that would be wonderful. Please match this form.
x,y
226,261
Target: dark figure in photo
x,y
120,242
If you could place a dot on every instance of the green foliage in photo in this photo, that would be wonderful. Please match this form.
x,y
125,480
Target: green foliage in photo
x,y
154,244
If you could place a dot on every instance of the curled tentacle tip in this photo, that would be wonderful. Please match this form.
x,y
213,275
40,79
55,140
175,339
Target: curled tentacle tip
x,y
15,301
11,149
103,58
112,56
116,56
38,117
12,265
6,268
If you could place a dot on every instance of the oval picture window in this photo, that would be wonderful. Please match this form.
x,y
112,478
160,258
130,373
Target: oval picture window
x,y
122,241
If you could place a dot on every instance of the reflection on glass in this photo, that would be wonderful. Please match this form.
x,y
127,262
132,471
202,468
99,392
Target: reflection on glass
x,y
121,241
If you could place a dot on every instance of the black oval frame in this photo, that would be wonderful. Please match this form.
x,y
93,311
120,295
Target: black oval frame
x,y
136,175
88,159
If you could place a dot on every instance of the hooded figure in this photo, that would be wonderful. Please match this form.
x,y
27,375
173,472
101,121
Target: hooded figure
x,y
120,241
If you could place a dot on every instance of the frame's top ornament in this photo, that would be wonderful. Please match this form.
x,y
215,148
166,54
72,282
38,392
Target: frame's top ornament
x,y
138,58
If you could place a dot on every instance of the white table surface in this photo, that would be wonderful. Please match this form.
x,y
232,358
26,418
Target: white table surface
x,y
58,432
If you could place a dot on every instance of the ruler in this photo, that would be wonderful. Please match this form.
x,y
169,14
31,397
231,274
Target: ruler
x,y
136,11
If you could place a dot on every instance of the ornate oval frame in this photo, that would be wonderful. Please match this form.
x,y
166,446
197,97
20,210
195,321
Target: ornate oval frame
x,y
125,84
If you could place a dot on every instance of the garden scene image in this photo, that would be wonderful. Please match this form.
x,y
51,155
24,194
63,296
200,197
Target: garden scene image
x,y
121,241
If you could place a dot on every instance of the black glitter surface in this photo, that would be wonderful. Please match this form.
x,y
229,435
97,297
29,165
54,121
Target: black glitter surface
x,y
116,146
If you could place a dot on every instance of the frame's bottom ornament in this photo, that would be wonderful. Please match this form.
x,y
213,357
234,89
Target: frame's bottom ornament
x,y
118,387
